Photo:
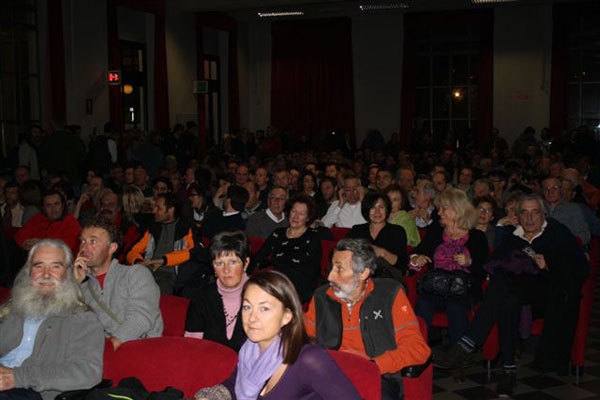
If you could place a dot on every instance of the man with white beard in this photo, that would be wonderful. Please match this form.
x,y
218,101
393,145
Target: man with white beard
x,y
50,341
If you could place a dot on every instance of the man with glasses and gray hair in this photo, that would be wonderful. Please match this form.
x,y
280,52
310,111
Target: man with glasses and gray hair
x,y
49,339
262,223
370,317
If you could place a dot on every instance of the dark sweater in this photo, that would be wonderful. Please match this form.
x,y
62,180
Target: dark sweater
x,y
391,237
206,315
298,258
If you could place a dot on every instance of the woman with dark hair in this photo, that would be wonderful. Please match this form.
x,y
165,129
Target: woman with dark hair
x,y
278,361
296,250
308,184
161,185
388,240
399,214
213,313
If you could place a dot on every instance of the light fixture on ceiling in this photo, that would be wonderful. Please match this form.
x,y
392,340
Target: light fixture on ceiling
x,y
492,1
382,6
280,14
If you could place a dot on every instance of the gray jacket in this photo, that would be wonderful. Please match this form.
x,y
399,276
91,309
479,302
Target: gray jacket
x,y
67,353
132,296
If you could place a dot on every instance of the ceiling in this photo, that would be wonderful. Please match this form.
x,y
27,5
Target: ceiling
x,y
247,9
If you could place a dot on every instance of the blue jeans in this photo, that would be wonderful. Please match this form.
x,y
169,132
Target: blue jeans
x,y
20,394
456,309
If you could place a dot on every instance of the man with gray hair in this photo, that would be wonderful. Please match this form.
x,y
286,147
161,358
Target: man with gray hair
x,y
368,317
49,340
424,212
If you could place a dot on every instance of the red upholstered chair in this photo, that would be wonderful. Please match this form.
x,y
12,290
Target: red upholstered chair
x,y
174,312
255,244
339,233
364,374
327,247
184,363
420,388
4,294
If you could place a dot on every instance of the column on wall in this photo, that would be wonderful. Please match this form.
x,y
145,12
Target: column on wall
x,y
222,22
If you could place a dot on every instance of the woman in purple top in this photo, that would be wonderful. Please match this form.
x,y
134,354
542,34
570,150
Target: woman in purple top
x,y
278,361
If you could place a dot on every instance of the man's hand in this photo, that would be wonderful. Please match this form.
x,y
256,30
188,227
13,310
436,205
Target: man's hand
x,y
80,268
153,264
540,261
7,378
29,243
341,195
116,342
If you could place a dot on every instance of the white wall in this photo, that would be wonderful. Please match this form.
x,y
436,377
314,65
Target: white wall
x,y
86,62
255,76
377,52
180,34
522,57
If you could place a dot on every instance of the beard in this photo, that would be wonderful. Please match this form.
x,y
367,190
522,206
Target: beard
x,y
348,291
30,302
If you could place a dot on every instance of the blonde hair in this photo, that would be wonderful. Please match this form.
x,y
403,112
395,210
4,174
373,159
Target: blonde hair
x,y
133,200
457,200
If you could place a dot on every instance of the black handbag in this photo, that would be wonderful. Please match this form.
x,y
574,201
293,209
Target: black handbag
x,y
442,283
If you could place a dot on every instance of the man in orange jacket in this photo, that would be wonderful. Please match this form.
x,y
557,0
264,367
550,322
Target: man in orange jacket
x,y
165,245
368,317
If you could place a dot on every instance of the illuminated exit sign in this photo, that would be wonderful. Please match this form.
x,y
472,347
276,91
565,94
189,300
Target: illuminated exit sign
x,y
114,77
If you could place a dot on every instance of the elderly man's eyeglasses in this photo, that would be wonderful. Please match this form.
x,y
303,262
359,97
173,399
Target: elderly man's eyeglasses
x,y
554,187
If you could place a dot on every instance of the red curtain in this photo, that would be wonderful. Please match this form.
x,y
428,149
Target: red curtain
x,y
414,26
161,82
223,22
312,89
56,47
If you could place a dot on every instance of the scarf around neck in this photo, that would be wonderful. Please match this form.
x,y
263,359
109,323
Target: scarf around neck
x,y
443,257
255,368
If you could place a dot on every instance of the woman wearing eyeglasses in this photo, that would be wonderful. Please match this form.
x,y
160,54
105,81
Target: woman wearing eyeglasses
x,y
214,313
486,207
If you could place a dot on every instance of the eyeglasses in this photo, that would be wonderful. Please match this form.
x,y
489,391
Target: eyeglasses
x,y
549,188
230,263
485,210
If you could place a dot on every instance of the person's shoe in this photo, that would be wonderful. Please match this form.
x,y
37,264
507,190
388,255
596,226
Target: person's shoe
x,y
506,384
455,357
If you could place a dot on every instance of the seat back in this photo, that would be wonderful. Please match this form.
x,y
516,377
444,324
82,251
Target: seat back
x,y
184,363
255,244
339,233
327,247
420,388
4,294
174,312
364,374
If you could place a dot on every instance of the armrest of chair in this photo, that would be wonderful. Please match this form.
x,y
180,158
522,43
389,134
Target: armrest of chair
x,y
414,371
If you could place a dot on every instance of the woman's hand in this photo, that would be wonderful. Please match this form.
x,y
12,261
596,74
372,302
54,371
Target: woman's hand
x,y
417,261
462,259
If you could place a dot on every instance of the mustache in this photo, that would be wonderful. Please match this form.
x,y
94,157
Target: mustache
x,y
45,281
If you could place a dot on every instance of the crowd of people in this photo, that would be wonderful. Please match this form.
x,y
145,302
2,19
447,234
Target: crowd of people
x,y
151,216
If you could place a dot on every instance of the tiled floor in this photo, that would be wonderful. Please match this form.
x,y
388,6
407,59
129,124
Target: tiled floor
x,y
531,385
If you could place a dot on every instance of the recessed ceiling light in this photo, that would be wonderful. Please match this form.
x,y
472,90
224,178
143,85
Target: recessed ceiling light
x,y
280,14
492,1
382,6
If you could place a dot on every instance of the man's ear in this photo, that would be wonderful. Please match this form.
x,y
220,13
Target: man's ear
x,y
112,249
365,274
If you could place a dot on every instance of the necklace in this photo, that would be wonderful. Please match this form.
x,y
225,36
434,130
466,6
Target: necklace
x,y
229,319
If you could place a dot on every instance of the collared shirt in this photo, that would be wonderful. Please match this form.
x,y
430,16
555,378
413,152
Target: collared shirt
x,y
521,233
345,217
273,217
16,356
421,223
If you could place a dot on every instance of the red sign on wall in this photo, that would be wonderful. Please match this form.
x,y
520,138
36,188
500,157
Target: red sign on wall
x,y
114,77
